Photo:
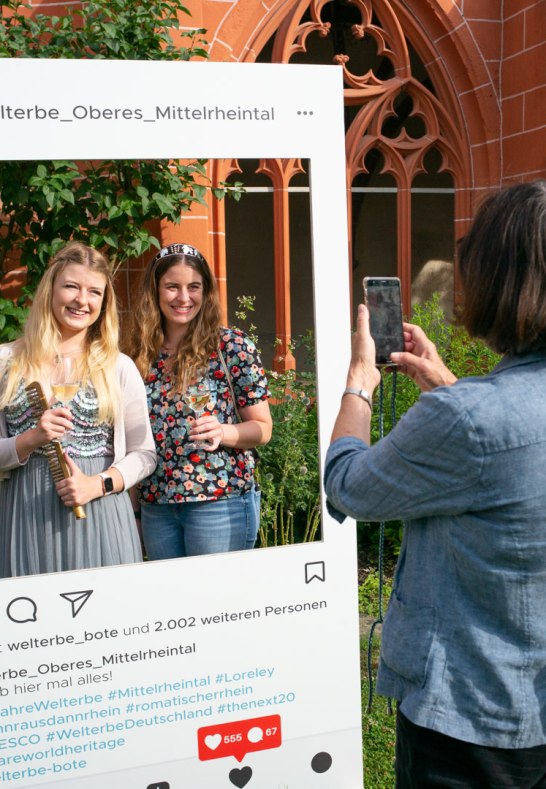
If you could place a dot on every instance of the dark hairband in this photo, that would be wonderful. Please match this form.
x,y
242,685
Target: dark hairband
x,y
178,249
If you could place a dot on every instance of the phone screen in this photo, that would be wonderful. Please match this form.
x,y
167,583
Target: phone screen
x,y
385,305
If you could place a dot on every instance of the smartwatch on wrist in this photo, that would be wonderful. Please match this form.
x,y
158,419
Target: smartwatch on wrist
x,y
107,483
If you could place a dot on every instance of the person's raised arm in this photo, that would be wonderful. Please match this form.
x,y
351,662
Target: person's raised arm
x,y
355,412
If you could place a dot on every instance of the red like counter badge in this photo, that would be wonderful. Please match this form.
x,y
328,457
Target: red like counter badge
x,y
239,738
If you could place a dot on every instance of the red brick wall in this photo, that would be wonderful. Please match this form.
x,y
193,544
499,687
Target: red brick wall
x,y
523,83
502,45
485,26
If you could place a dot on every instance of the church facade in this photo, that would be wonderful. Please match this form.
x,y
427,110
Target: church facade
x,y
443,102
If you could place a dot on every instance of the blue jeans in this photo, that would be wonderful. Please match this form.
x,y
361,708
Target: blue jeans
x,y
198,527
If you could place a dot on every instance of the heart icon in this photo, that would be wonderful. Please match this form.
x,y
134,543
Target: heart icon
x,y
212,741
240,777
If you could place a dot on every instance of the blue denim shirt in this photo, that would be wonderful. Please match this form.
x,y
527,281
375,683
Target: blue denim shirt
x,y
464,637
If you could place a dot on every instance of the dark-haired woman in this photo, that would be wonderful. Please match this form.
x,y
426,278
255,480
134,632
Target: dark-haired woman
x,y
464,639
202,497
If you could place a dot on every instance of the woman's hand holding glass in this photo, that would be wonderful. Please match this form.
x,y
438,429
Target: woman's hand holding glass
x,y
207,432
53,424
197,396
65,384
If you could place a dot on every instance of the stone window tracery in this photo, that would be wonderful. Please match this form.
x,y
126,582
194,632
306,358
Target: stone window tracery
x,y
406,144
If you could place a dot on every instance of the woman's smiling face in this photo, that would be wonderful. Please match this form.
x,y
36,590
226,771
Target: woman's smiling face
x,y
77,297
180,293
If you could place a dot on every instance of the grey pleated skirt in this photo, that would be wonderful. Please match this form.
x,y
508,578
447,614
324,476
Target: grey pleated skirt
x,y
38,534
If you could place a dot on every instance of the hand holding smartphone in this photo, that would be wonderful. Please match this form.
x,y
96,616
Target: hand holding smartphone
x,y
382,296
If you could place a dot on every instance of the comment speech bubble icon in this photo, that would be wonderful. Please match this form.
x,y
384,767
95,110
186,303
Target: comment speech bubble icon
x,y
21,610
255,734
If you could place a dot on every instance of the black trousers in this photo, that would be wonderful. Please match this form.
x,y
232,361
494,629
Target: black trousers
x,y
426,759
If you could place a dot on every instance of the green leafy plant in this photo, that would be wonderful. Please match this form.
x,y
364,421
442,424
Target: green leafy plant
x,y
288,471
107,204
114,29
12,319
368,594
242,313
378,728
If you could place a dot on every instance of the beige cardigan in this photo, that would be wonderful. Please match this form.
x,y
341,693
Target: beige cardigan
x,y
134,448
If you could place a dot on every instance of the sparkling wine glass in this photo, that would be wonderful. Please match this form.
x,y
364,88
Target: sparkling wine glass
x,y
197,395
65,382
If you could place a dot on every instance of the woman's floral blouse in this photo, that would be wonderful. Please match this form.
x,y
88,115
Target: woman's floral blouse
x,y
184,474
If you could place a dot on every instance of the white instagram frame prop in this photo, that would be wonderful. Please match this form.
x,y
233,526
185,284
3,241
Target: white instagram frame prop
x,y
261,648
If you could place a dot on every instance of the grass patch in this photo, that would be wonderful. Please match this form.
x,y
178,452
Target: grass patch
x,y
378,728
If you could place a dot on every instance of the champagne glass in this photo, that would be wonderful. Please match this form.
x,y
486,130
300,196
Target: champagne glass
x,y
65,382
197,396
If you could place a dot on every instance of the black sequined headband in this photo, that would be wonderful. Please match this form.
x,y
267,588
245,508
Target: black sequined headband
x,y
178,249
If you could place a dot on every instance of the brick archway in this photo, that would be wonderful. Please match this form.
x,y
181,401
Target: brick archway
x,y
444,40
460,107
463,112
466,85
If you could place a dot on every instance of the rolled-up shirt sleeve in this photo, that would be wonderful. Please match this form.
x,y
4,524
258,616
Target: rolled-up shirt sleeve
x,y
429,464
342,498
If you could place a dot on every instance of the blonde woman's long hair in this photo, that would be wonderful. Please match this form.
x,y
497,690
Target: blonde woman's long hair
x,y
147,335
41,339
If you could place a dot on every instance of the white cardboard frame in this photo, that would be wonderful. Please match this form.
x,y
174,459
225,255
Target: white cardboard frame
x,y
300,665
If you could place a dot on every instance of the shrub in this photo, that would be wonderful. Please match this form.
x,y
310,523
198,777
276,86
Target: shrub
x,y
107,204
12,320
368,594
288,470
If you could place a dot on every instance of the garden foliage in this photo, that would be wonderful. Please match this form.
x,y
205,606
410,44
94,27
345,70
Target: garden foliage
x,y
288,471
107,204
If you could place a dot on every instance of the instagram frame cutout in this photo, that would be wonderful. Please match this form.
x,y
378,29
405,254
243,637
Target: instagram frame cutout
x,y
237,669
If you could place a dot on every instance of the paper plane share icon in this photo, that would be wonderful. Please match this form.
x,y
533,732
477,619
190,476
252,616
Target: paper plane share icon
x,y
77,600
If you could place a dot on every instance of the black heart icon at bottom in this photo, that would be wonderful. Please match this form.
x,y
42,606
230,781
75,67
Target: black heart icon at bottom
x,y
240,777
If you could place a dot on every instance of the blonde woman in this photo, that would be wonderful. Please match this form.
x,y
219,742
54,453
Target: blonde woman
x,y
202,497
104,428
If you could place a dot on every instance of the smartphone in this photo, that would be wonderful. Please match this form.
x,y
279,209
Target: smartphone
x,y
383,298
